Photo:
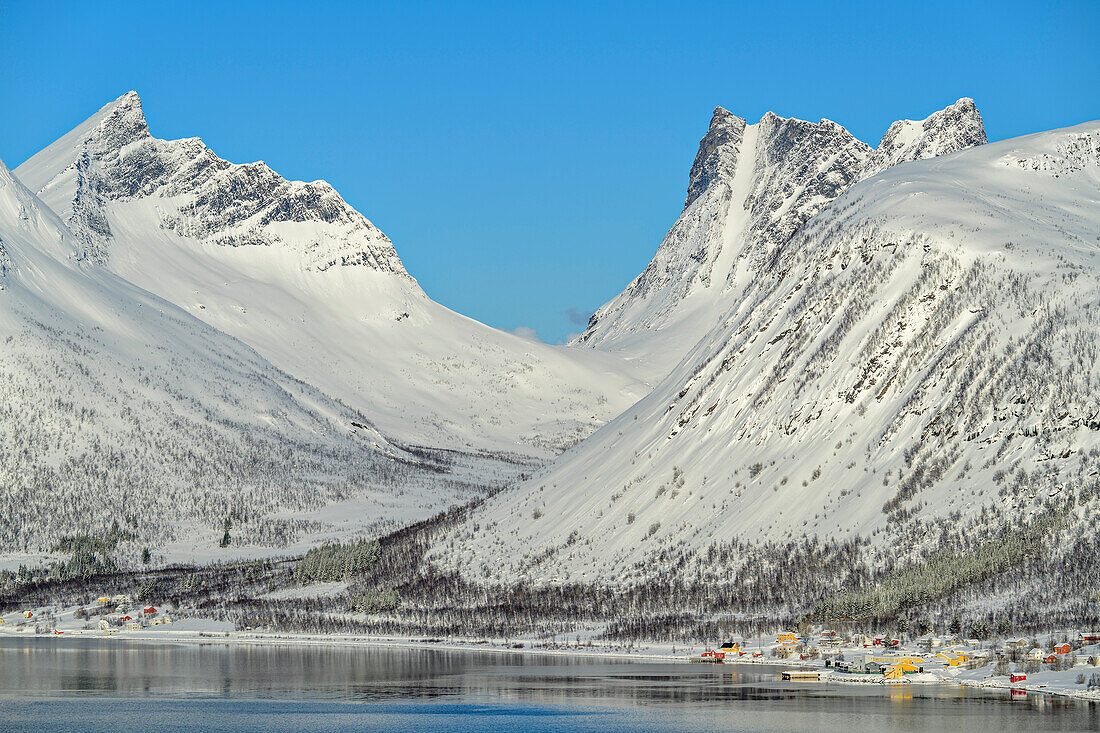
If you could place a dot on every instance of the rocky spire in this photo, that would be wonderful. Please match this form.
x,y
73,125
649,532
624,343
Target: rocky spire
x,y
717,156
952,129
114,126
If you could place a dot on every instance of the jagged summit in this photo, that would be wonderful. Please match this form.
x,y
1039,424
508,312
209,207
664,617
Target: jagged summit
x,y
951,129
124,117
720,147
113,157
751,188
717,154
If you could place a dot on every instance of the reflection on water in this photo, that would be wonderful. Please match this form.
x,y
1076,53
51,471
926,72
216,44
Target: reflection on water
x,y
94,682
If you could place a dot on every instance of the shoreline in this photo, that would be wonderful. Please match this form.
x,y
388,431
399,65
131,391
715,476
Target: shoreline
x,y
308,640
1032,689
652,654
199,637
456,645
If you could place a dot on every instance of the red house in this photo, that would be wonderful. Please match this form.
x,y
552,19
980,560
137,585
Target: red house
x,y
150,610
1061,649
1017,677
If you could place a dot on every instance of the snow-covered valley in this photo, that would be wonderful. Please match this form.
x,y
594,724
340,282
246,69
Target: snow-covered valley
x,y
191,342
866,358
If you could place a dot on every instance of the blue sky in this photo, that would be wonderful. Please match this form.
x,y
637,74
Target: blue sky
x,y
526,159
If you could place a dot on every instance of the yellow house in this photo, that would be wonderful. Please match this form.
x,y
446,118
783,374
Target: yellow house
x,y
948,659
894,672
787,638
914,662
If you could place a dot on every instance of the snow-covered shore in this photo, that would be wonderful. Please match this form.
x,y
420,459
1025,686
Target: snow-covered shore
x,y
64,626
1061,683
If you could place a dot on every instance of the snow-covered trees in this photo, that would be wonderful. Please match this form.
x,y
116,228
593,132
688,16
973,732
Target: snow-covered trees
x,y
331,562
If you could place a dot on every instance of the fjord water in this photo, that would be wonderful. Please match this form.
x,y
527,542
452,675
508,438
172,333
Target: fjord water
x,y
108,685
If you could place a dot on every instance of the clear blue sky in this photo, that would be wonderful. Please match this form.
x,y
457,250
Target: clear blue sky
x,y
527,159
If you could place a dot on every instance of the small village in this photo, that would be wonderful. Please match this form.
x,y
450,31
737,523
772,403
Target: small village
x,y
109,616
1058,662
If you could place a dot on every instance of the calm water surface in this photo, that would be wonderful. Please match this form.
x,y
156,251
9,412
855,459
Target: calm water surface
x,y
110,685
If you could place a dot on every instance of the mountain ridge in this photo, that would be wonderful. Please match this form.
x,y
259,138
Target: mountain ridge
x,y
139,165
920,361
750,188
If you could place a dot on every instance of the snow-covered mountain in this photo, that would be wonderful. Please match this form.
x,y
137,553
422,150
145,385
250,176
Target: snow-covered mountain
x,y
751,187
307,281
921,357
119,407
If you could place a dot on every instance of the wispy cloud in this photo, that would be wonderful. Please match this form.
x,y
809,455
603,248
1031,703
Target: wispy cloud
x,y
526,332
576,316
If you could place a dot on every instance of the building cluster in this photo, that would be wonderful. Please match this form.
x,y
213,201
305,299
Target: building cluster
x,y
125,618
894,658
109,615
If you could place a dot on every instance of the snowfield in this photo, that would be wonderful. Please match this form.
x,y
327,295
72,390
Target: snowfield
x,y
120,407
864,356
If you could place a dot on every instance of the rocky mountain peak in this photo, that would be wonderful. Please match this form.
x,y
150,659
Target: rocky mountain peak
x,y
717,156
951,129
751,188
119,123
112,157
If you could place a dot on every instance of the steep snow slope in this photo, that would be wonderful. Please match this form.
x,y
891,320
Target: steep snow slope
x,y
295,272
118,406
751,187
923,355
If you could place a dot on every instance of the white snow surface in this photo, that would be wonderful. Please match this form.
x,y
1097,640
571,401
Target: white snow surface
x,y
118,404
926,349
293,271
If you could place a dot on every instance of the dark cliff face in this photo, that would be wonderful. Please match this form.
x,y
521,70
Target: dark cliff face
x,y
717,154
800,167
